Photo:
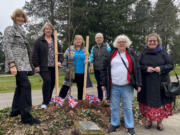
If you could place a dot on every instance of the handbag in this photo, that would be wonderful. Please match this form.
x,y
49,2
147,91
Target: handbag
x,y
132,77
171,89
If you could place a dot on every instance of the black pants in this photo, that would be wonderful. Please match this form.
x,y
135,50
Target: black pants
x,y
97,76
79,79
48,84
22,101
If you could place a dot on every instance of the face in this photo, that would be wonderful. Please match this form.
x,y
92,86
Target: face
x,y
48,31
99,39
19,20
78,42
152,42
121,44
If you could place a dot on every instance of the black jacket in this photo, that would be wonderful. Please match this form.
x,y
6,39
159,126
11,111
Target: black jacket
x,y
40,54
99,52
106,78
151,94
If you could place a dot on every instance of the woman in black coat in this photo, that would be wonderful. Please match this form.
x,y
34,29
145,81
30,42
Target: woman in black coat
x,y
155,67
43,59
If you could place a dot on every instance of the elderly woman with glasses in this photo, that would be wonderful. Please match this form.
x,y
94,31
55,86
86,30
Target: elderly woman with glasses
x,y
155,66
121,64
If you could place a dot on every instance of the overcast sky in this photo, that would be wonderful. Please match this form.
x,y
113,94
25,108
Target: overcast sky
x,y
6,9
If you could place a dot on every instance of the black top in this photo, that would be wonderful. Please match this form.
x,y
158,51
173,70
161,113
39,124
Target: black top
x,y
152,94
40,54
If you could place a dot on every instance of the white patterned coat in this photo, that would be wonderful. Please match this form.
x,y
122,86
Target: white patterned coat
x,y
15,48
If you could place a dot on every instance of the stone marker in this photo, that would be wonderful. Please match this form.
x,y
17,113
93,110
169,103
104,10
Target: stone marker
x,y
87,128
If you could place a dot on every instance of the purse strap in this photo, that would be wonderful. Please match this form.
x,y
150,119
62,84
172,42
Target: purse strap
x,y
77,59
124,63
176,76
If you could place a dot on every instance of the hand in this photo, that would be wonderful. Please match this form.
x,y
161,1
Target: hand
x,y
103,88
37,69
139,89
150,69
157,69
86,62
13,70
59,64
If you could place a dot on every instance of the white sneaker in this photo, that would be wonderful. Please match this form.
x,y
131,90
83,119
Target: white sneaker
x,y
43,106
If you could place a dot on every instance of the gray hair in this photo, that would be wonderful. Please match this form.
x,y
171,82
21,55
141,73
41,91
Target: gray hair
x,y
124,37
99,34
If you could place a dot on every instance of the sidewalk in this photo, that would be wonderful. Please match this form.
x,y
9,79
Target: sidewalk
x,y
6,98
171,127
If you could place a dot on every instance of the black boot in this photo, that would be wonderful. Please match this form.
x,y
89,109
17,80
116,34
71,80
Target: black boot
x,y
64,91
112,129
28,119
14,113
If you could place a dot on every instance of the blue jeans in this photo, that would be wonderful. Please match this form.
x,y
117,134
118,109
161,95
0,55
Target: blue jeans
x,y
124,94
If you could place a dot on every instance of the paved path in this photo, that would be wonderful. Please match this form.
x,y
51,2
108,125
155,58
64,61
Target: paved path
x,y
6,98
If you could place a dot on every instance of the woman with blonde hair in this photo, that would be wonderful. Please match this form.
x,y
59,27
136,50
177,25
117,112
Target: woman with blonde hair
x,y
155,67
17,61
43,59
74,56
122,64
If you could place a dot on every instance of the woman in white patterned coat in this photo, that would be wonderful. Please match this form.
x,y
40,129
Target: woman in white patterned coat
x,y
17,62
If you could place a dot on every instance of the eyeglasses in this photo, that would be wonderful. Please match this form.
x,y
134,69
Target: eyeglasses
x,y
121,42
150,41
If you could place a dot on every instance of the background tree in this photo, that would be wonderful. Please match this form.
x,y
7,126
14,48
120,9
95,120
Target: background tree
x,y
43,11
143,23
166,21
1,54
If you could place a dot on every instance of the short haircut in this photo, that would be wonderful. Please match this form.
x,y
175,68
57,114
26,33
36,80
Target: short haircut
x,y
124,37
99,34
154,35
47,24
79,36
18,12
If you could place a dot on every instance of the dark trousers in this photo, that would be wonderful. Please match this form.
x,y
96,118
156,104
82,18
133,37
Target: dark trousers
x,y
22,101
99,90
79,79
48,84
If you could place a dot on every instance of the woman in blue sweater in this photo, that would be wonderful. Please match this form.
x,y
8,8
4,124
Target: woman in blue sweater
x,y
76,54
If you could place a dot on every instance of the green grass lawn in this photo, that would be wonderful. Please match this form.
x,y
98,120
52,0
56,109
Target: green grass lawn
x,y
8,84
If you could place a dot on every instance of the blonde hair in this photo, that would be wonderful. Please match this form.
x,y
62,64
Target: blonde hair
x,y
79,36
48,24
124,37
18,12
154,35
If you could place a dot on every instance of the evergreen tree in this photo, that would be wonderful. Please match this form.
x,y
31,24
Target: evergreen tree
x,y
143,23
166,22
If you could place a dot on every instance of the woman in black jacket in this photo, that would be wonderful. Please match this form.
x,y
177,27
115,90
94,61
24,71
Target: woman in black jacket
x,y
43,59
155,67
119,81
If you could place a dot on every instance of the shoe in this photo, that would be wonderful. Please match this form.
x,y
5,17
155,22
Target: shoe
x,y
160,127
43,106
112,129
14,114
131,131
148,125
31,121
